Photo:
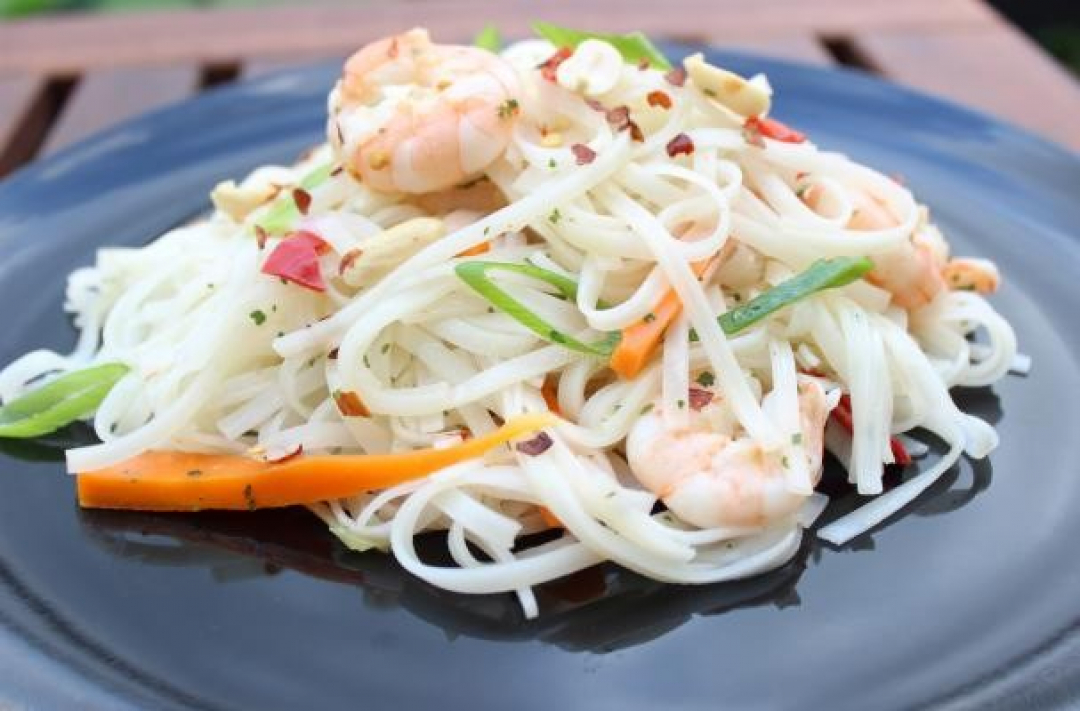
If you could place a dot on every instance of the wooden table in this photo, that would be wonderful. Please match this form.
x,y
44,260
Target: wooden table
x,y
64,77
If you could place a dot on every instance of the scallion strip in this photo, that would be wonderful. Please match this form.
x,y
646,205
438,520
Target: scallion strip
x,y
59,403
822,274
282,215
475,275
489,38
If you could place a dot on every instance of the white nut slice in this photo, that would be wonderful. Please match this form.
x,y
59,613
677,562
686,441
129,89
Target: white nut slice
x,y
593,69
259,188
744,97
392,246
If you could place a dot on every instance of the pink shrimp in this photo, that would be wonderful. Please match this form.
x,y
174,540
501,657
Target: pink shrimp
x,y
920,269
416,117
710,477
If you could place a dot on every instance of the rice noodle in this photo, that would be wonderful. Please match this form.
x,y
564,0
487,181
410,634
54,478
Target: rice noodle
x,y
226,359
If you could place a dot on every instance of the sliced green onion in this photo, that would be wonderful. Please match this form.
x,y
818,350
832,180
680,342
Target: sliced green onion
x,y
61,402
475,275
489,38
282,215
822,274
633,47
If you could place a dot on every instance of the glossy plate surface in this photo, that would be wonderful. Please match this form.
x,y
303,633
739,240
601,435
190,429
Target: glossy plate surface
x,y
969,599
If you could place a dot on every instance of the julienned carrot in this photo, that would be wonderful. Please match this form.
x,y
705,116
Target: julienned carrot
x,y
181,481
550,392
639,340
550,519
477,250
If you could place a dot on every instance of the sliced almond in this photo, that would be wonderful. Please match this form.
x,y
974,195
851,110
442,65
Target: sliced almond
x,y
728,89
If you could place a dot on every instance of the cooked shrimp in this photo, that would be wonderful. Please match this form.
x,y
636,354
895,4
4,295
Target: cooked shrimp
x,y
911,273
710,476
415,117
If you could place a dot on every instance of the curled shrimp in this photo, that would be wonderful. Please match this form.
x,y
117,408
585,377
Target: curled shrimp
x,y
412,116
709,476
920,269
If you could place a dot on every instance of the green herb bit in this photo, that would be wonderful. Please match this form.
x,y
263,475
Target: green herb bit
x,y
258,316
705,379
475,275
282,215
555,216
634,47
489,38
796,438
59,403
508,108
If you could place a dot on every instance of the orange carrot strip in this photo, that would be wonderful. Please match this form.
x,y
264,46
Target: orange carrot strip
x,y
183,481
476,251
550,391
639,340
550,519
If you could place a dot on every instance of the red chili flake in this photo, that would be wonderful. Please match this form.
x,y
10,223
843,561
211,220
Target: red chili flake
x,y
333,354
302,198
296,259
583,154
349,404
348,259
261,235
643,64
659,98
392,51
681,144
619,117
286,457
699,398
550,66
676,77
595,105
537,445
771,128
635,133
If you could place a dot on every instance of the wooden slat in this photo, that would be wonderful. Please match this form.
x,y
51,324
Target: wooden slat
x,y
994,69
800,48
77,43
24,116
106,96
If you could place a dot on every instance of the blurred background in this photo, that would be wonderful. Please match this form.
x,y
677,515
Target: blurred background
x,y
72,68
1055,24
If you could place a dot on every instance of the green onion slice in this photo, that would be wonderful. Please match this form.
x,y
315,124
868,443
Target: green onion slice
x,y
282,215
59,403
475,275
822,274
633,47
489,38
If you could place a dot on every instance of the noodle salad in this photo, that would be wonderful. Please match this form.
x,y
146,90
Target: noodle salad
x,y
560,303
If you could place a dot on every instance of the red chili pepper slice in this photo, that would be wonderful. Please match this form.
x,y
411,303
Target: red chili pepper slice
x,y
771,128
296,259
842,414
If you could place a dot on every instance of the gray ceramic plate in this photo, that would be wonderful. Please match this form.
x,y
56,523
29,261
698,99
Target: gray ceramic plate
x,y
967,599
